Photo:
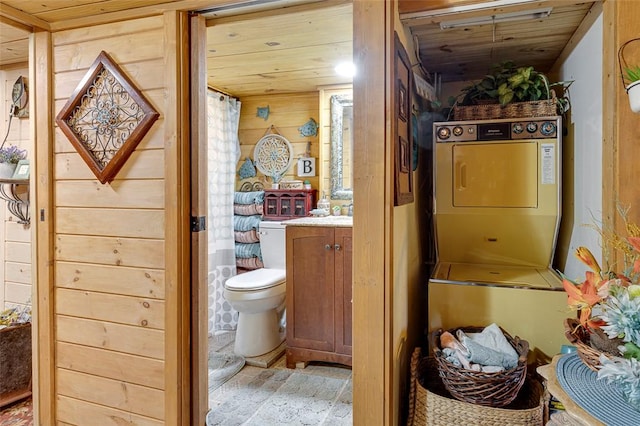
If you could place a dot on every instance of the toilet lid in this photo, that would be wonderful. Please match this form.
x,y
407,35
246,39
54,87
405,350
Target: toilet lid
x,y
257,279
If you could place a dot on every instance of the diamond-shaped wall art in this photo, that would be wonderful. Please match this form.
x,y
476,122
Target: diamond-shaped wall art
x,y
105,118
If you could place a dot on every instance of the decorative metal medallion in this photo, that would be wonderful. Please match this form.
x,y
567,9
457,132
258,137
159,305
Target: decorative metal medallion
x,y
106,118
273,155
247,169
310,128
263,112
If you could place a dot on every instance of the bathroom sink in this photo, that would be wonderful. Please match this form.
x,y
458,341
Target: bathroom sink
x,y
321,221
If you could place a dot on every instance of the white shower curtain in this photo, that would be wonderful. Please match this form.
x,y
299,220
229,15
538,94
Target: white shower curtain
x,y
223,153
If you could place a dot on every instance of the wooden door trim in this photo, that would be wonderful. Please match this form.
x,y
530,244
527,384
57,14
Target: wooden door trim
x,y
42,223
199,208
372,221
177,228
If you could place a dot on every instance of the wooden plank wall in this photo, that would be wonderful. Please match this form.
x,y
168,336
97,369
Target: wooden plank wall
x,y
15,238
287,112
621,127
628,122
109,289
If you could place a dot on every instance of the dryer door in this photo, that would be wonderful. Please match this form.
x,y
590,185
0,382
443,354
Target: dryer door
x,y
495,174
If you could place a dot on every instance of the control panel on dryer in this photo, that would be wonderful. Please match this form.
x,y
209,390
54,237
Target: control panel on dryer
x,y
496,130
534,129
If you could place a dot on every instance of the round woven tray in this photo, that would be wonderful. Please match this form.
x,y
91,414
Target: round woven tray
x,y
579,337
477,387
431,404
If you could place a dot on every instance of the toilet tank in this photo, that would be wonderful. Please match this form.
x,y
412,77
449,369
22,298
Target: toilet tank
x,y
273,244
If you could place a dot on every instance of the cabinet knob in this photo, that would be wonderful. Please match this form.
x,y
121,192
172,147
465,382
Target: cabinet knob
x,y
327,247
337,247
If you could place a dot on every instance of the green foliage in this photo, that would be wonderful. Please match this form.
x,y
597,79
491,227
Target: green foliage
x,y
631,351
487,88
524,85
633,73
508,83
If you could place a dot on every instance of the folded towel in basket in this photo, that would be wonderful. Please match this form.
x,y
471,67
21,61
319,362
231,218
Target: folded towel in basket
x,y
489,347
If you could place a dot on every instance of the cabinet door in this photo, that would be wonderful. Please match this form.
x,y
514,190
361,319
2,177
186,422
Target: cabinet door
x,y
285,208
300,208
271,205
310,291
343,288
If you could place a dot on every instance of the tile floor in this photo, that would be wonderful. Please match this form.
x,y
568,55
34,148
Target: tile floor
x,y
320,394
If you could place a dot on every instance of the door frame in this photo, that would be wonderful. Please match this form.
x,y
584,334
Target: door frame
x,y
199,205
42,227
372,357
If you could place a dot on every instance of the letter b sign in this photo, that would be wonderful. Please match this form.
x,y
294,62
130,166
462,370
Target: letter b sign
x,y
307,167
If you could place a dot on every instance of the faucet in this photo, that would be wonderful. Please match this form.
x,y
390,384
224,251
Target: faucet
x,y
350,205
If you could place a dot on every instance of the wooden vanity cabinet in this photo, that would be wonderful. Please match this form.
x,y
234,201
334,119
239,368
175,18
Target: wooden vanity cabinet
x,y
319,294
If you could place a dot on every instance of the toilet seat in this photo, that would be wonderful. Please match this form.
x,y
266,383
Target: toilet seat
x,y
258,279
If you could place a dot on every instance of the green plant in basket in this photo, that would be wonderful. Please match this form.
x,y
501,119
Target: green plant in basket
x,y
486,90
524,85
508,83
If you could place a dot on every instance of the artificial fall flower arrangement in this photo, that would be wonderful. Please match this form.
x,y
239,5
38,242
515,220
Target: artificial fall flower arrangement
x,y
608,303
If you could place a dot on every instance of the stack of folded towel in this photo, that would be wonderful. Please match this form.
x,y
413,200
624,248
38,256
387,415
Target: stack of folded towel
x,y
488,351
247,209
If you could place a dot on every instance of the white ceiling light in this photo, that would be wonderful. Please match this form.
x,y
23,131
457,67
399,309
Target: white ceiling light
x,y
346,69
497,18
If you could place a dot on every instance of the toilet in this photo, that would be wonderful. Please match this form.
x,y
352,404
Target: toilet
x,y
259,295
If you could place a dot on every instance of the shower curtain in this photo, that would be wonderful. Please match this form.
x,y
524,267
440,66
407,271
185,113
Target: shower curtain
x,y
223,153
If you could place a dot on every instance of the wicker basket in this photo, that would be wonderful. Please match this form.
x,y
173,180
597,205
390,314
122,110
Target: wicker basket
x,y
542,108
430,403
477,387
15,363
579,337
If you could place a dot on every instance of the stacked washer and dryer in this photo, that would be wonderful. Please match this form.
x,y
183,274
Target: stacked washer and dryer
x,y
497,190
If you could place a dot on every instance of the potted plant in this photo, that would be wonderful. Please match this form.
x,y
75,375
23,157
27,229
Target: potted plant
x,y
633,88
507,84
486,90
9,158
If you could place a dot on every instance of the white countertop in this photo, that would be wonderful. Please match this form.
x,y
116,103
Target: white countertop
x,y
337,221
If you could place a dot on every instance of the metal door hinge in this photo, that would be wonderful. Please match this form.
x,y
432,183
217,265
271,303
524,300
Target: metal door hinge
x,y
198,223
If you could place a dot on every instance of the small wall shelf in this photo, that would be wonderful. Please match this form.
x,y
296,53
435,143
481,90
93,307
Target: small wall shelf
x,y
17,206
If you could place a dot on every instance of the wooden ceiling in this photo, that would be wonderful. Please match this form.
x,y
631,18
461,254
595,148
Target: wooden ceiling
x,y
14,44
468,52
284,51
287,46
